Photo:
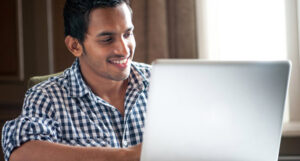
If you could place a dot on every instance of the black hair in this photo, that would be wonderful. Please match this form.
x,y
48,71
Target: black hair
x,y
76,15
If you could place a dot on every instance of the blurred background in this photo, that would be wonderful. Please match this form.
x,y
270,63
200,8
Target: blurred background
x,y
32,43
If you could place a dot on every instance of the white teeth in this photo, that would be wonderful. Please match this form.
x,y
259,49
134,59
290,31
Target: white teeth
x,y
120,61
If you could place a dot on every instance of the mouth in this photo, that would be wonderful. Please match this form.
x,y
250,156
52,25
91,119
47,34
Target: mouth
x,y
120,63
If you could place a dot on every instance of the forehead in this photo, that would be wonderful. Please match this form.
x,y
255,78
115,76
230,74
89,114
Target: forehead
x,y
110,19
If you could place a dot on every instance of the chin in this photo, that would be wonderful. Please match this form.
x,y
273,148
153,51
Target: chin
x,y
122,76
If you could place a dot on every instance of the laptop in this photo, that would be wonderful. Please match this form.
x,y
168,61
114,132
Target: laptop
x,y
215,110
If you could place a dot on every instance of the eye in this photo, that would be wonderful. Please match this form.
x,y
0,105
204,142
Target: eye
x,y
128,34
106,40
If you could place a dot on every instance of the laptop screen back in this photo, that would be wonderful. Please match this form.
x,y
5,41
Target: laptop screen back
x,y
204,110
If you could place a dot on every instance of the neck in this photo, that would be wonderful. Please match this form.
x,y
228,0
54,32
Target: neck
x,y
112,92
105,88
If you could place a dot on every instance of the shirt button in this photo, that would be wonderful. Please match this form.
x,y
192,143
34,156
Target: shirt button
x,y
103,143
125,143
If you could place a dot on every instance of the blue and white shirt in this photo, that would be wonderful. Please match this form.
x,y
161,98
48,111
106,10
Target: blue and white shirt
x,y
64,110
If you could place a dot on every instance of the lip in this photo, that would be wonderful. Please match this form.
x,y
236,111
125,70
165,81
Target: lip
x,y
120,63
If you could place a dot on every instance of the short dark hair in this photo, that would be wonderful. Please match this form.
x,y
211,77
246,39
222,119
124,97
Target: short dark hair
x,y
76,15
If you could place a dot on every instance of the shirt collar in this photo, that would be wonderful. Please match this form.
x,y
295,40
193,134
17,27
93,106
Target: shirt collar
x,y
75,83
137,79
78,88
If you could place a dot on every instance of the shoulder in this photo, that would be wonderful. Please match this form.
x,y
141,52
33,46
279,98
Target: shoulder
x,y
42,98
52,85
143,69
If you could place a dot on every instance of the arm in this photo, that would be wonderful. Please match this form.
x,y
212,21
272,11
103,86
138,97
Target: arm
x,y
47,151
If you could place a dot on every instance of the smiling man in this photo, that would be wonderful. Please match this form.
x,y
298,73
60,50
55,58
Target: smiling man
x,y
96,109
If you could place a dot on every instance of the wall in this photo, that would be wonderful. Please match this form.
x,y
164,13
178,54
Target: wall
x,y
25,49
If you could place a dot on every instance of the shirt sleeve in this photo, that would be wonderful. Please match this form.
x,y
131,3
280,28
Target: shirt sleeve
x,y
36,122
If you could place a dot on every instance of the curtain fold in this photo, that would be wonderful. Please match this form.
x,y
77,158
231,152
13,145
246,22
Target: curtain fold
x,y
164,29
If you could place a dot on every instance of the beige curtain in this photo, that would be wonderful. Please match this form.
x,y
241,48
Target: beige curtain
x,y
164,29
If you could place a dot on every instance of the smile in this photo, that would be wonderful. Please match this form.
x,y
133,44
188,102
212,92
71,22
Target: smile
x,y
124,61
121,64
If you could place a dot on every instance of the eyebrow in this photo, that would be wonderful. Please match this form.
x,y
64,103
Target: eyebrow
x,y
105,34
112,33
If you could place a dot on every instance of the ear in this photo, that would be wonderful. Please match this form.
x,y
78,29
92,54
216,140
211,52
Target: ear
x,y
73,46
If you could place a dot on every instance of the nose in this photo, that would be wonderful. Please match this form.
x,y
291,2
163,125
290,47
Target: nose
x,y
121,47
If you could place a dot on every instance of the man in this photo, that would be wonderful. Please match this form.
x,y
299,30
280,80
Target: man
x,y
96,109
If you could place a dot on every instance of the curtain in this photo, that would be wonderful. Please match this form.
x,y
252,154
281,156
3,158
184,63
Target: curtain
x,y
270,28
164,29
293,26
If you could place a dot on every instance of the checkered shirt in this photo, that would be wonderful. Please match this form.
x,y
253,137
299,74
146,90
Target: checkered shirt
x,y
64,110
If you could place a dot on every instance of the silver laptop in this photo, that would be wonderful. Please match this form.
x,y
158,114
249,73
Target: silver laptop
x,y
215,111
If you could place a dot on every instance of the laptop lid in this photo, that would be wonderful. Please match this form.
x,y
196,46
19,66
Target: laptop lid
x,y
215,111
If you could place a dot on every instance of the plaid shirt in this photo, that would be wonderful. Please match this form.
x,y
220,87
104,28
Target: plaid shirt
x,y
64,110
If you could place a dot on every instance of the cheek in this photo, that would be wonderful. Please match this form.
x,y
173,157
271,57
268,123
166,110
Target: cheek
x,y
100,52
132,44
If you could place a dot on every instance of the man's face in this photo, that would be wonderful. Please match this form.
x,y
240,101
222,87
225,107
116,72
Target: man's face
x,y
109,43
